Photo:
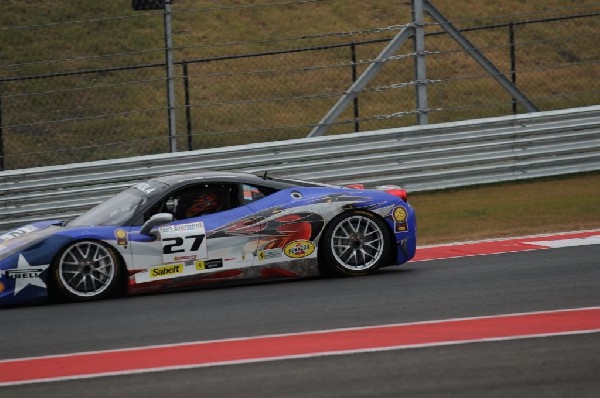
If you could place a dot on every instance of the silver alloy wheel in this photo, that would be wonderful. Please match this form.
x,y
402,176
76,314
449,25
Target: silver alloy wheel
x,y
87,268
357,242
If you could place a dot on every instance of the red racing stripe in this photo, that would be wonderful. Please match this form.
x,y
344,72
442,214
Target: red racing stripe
x,y
255,349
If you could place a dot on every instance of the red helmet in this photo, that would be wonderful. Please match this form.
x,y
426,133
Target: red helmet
x,y
203,203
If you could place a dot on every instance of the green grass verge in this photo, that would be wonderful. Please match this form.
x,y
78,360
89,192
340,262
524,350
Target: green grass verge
x,y
510,209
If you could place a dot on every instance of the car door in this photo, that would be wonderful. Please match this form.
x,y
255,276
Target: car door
x,y
203,239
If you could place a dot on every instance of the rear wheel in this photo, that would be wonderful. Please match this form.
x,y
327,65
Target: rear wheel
x,y
355,243
86,270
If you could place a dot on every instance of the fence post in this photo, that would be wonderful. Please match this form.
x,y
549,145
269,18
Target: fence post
x,y
1,134
420,70
513,62
354,76
170,79
188,109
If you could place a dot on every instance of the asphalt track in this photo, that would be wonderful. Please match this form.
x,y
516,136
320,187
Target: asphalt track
x,y
541,280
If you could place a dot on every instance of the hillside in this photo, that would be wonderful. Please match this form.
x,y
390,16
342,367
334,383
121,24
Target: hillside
x,y
66,117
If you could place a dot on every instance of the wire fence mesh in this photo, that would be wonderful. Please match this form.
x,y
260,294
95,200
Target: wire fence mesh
x,y
87,81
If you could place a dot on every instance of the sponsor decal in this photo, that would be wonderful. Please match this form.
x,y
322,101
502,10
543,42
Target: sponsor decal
x,y
145,188
185,258
121,236
299,249
401,227
267,254
209,264
23,273
26,275
18,232
183,241
181,227
2,287
166,270
399,214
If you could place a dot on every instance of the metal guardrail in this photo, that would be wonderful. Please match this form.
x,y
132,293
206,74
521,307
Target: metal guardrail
x,y
418,158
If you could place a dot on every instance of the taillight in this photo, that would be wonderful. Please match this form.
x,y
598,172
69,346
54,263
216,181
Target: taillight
x,y
355,186
401,193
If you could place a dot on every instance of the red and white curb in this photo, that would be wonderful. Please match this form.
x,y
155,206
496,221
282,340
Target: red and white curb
x,y
328,342
507,245
298,345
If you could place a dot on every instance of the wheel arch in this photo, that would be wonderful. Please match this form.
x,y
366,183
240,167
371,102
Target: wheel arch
x,y
323,270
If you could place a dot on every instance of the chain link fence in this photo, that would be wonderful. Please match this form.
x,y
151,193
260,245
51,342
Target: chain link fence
x,y
87,81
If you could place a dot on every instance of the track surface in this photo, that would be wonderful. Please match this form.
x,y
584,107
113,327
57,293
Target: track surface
x,y
541,280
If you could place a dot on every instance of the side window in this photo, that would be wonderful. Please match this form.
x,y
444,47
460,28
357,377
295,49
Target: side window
x,y
196,201
252,193
201,200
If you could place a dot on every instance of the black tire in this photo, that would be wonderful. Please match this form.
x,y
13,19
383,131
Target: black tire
x,y
354,243
86,270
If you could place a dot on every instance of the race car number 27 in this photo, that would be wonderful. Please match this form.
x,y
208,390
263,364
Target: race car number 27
x,y
179,244
183,242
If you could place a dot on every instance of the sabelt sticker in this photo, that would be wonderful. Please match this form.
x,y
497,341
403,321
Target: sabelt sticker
x,y
400,214
166,270
299,249
209,264
121,236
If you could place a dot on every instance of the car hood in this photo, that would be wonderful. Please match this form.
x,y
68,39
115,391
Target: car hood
x,y
27,235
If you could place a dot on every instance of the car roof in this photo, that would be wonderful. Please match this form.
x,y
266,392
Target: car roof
x,y
183,179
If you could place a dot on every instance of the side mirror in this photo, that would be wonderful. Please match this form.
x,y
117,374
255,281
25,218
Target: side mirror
x,y
157,219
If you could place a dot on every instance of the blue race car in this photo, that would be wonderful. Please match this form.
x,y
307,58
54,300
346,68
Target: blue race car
x,y
183,230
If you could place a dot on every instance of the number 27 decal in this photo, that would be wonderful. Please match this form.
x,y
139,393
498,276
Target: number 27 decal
x,y
183,240
181,244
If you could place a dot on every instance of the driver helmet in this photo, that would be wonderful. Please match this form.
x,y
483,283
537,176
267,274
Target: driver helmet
x,y
202,203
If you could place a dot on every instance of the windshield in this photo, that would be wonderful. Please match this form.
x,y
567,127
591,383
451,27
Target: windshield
x,y
118,209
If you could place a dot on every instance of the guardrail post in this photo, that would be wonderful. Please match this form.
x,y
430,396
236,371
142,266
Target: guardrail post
x,y
479,57
170,78
419,61
361,82
1,134
513,62
188,109
354,76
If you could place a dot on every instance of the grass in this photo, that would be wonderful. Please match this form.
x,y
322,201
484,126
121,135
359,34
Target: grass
x,y
511,209
63,120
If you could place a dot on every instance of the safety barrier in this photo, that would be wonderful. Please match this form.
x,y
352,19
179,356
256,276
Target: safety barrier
x,y
418,158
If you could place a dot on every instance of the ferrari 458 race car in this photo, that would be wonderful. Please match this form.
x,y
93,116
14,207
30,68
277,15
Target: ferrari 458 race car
x,y
183,230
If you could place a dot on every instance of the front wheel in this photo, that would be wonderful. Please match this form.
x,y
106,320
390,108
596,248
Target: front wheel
x,y
86,270
355,243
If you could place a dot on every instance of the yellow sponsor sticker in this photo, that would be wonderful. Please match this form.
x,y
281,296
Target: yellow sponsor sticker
x,y
299,249
400,214
209,264
166,270
121,236
2,287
